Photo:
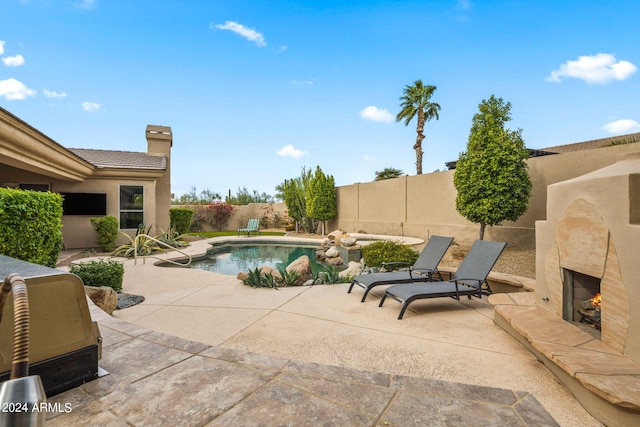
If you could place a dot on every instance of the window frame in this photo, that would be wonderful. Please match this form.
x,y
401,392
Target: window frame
x,y
122,211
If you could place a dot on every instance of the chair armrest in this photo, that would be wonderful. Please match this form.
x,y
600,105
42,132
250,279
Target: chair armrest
x,y
479,283
396,262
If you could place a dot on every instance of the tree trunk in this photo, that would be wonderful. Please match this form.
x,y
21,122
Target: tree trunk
x,y
418,159
419,138
482,227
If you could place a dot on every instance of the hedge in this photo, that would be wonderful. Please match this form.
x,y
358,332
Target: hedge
x,y
180,219
106,228
31,225
100,273
376,253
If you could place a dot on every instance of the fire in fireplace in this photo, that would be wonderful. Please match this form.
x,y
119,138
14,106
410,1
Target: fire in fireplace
x,y
590,311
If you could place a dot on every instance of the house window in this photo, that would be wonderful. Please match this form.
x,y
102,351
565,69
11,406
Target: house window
x,y
131,206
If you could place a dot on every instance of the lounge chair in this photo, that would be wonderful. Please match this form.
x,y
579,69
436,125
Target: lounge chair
x,y
252,227
470,278
423,270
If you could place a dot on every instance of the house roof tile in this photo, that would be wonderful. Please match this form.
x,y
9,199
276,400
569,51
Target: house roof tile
x,y
120,159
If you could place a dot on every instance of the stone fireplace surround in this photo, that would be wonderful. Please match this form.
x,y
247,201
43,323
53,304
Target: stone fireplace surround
x,y
592,227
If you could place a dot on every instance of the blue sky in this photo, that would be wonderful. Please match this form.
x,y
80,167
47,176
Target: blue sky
x,y
254,91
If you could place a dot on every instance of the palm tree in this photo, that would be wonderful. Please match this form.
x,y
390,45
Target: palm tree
x,y
388,173
416,101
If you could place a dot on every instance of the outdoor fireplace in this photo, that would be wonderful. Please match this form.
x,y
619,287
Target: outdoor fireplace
x,y
582,299
589,245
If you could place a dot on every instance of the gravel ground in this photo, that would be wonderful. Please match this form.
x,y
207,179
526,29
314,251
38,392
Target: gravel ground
x,y
513,260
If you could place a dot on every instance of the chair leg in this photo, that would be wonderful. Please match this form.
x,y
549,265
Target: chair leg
x,y
384,296
402,310
351,287
366,292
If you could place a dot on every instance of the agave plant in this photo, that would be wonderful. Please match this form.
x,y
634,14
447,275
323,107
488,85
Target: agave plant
x,y
145,246
269,281
288,278
330,275
256,279
172,238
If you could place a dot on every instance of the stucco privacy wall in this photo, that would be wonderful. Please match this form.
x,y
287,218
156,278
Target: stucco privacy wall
x,y
423,205
242,214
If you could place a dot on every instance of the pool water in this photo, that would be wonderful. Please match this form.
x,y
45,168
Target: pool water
x,y
232,259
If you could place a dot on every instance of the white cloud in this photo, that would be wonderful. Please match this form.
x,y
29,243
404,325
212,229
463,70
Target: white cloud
x,y
85,4
12,89
302,82
622,126
376,114
248,33
368,158
13,61
2,47
290,151
90,106
599,68
52,94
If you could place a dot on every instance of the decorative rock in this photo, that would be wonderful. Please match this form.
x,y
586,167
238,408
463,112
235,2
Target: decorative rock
x,y
309,282
320,255
103,297
332,252
354,268
335,233
302,266
242,275
348,241
341,237
336,262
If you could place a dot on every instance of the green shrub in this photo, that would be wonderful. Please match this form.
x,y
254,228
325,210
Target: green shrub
x,y
376,253
106,227
30,225
180,219
100,273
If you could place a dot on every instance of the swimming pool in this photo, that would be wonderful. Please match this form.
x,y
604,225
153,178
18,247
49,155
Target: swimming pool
x,y
232,258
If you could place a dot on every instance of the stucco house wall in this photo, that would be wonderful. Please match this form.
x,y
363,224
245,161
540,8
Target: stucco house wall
x,y
28,157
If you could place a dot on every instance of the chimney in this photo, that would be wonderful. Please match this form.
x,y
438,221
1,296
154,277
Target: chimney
x,y
159,142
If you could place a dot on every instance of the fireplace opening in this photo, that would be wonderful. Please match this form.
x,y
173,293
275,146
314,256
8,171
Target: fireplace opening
x,y
582,300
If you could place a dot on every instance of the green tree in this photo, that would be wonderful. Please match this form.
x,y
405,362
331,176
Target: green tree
x,y
415,101
294,193
491,177
243,197
388,173
321,197
206,196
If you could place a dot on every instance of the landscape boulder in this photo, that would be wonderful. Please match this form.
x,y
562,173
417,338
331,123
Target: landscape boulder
x,y
353,269
332,252
302,267
103,297
348,242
